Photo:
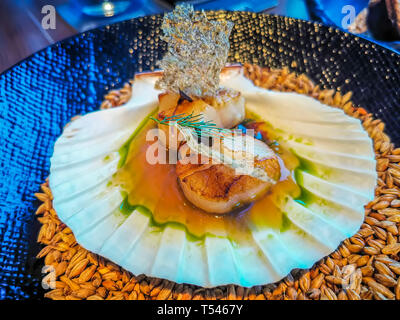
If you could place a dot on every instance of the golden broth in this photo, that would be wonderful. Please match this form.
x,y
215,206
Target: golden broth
x,y
156,187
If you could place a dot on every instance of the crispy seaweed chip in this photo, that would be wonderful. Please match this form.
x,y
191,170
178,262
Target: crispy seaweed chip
x,y
197,51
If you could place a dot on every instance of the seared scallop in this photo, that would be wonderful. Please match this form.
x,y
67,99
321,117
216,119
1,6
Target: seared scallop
x,y
218,188
229,105
226,110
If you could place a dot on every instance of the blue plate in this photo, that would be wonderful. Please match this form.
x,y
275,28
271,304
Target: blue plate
x,y
39,96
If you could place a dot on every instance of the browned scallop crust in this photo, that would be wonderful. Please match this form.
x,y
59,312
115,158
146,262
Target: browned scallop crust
x,y
218,189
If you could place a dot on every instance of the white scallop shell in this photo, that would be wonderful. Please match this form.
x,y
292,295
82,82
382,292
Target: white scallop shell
x,y
343,181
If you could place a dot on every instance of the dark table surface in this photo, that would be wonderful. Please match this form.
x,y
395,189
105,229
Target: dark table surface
x,y
21,32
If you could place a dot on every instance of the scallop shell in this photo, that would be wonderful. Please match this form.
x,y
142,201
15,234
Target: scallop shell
x,y
342,181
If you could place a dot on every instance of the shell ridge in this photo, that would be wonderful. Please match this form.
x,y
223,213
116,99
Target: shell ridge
x,y
239,265
276,269
354,213
179,262
83,184
80,199
236,263
339,177
334,121
63,164
351,140
136,239
308,225
80,172
338,166
64,196
111,138
321,132
311,148
204,251
86,209
106,224
76,171
329,184
346,127
110,236
323,196
229,271
141,254
159,257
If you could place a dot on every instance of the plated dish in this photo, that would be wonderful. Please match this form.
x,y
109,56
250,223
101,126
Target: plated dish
x,y
338,257
202,177
200,166
345,266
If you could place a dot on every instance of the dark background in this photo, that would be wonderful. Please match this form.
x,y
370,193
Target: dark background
x,y
21,33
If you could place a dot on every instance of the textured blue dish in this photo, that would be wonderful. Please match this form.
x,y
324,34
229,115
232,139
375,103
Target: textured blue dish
x,y
41,94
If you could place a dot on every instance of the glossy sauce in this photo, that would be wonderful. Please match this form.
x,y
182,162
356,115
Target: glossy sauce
x,y
156,187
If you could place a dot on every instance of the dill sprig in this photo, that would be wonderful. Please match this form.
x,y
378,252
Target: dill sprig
x,y
196,123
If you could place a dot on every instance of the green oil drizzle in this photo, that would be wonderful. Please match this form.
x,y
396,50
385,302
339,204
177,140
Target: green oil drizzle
x,y
286,223
306,165
124,150
305,198
318,170
126,209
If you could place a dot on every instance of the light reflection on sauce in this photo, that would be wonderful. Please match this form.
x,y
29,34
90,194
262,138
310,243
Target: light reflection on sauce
x,y
156,188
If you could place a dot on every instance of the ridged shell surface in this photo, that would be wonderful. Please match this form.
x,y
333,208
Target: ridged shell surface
x,y
341,181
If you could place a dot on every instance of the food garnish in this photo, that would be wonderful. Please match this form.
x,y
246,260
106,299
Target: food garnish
x,y
194,122
197,52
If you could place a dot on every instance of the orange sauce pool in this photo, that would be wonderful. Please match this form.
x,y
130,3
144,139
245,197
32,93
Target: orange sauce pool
x,y
156,187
